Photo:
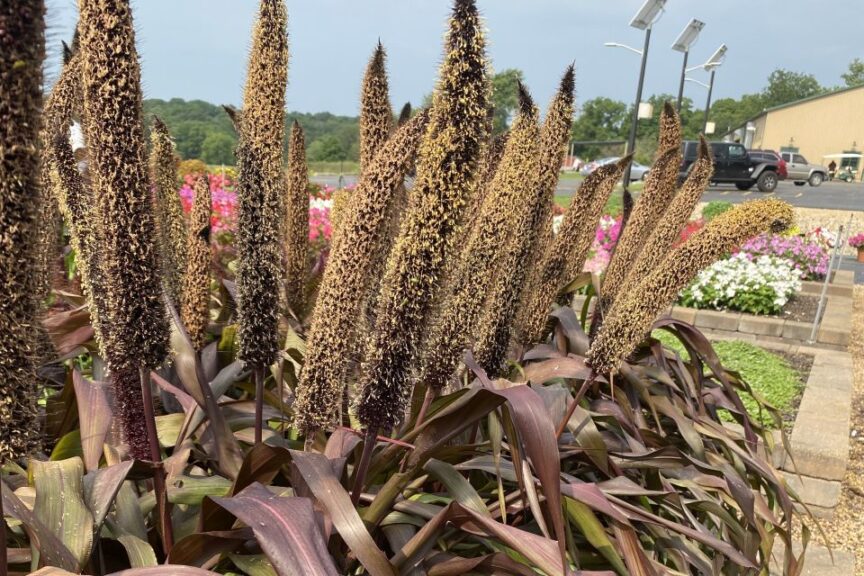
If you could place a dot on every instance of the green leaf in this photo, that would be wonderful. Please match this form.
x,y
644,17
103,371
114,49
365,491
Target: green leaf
x,y
594,532
60,504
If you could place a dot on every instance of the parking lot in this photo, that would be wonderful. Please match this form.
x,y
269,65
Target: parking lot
x,y
830,195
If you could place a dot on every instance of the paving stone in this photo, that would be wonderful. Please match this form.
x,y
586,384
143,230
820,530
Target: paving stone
x,y
833,337
815,491
817,562
750,324
797,330
714,320
819,448
684,314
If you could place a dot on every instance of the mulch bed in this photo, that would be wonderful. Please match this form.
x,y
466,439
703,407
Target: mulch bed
x,y
801,363
800,308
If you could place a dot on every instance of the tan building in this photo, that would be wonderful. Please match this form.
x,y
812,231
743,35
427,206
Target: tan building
x,y
815,127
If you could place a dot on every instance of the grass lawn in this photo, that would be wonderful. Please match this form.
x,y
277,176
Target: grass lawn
x,y
768,374
613,206
346,167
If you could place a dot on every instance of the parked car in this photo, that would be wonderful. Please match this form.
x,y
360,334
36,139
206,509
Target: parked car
x,y
594,164
771,156
801,171
637,171
733,165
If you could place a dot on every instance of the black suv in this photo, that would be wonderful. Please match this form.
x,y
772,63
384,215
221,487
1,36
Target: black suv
x,y
733,165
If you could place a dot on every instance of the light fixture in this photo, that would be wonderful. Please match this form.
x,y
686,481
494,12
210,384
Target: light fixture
x,y
688,35
647,14
716,59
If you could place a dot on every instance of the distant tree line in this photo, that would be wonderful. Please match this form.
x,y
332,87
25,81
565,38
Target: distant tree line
x,y
204,131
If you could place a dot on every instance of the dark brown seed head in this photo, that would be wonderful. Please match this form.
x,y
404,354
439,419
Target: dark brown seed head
x,y
446,169
195,310
639,305
504,207
569,247
404,114
553,141
660,186
115,136
673,221
170,222
261,187
22,51
376,116
296,221
333,336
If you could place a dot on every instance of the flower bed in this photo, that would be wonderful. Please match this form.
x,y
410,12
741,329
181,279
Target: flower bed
x,y
760,285
809,257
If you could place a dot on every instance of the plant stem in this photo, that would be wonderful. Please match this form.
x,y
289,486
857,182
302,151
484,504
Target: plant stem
x,y
159,487
363,466
3,553
427,401
575,402
259,405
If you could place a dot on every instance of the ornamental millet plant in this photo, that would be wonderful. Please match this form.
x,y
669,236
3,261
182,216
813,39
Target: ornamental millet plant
x,y
376,115
170,223
138,338
446,178
499,214
639,304
296,221
332,337
260,190
22,51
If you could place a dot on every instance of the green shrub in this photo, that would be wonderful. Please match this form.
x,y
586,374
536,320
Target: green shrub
x,y
714,209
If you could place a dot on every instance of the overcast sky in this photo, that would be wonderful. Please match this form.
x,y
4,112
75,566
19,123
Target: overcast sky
x,y
197,49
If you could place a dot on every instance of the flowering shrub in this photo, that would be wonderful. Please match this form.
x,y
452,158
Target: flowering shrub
x,y
757,285
809,258
857,240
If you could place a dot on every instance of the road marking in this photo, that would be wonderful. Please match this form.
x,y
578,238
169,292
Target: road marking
x,y
725,193
799,194
747,193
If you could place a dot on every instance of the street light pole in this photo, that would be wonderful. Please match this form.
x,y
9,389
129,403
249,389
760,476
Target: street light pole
x,y
681,84
708,103
631,139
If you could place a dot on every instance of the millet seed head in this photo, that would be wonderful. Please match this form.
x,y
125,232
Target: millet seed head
x,y
507,200
111,80
170,222
195,311
261,187
639,305
446,178
673,221
569,248
22,52
296,221
334,336
376,115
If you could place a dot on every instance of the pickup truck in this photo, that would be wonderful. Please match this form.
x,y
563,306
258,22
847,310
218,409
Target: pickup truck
x,y
801,171
733,165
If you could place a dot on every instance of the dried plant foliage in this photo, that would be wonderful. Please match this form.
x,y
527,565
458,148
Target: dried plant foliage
x,y
509,193
170,222
22,51
446,179
260,187
569,248
376,115
195,310
631,317
296,221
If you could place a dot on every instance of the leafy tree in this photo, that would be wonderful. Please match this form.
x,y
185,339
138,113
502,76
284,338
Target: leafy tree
x,y
855,74
505,97
729,113
785,86
327,148
218,148
600,119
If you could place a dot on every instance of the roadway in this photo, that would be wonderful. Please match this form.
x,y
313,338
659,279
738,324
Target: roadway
x,y
830,195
